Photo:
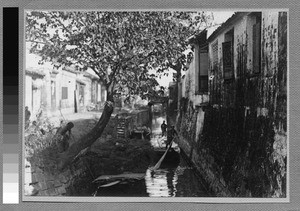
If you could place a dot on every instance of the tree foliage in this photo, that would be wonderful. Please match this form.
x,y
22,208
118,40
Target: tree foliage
x,y
120,47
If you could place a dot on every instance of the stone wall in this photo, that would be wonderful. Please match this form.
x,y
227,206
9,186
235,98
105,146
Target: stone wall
x,y
237,155
42,177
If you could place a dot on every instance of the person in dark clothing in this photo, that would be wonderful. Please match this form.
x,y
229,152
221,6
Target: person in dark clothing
x,y
171,135
27,117
146,132
64,138
163,128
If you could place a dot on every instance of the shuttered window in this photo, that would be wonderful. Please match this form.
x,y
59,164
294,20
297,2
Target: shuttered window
x,y
64,93
203,73
215,55
256,48
227,60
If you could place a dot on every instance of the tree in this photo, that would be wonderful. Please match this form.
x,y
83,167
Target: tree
x,y
120,47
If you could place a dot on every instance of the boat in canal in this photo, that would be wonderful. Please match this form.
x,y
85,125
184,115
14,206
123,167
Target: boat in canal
x,y
173,154
167,176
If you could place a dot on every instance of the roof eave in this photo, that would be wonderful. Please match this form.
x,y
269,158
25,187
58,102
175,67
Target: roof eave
x,y
198,39
229,21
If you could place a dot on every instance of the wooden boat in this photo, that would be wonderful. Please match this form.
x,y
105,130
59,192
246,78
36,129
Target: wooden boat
x,y
172,155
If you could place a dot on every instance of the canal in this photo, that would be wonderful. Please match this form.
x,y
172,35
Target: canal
x,y
172,179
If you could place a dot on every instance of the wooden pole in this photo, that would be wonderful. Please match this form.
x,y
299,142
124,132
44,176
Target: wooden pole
x,y
163,157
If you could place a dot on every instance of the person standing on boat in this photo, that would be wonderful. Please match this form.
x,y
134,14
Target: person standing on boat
x,y
163,128
171,135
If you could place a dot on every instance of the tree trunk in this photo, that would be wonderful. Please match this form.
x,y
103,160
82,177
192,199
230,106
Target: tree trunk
x,y
87,140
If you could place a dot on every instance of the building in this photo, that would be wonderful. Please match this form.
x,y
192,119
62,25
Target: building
x,y
63,91
194,86
246,49
233,113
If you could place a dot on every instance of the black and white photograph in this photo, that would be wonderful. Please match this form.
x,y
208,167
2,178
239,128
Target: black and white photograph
x,y
156,105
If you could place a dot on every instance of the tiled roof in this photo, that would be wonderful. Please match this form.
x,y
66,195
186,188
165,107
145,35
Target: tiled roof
x,y
199,39
70,69
38,72
230,20
91,76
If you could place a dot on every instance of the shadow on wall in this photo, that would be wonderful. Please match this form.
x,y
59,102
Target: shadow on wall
x,y
243,148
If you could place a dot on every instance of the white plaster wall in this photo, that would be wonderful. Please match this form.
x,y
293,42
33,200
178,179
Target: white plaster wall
x,y
239,37
189,82
243,33
199,123
250,22
66,79
28,92
270,37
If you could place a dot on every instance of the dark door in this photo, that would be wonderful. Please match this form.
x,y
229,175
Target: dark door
x,y
53,95
80,100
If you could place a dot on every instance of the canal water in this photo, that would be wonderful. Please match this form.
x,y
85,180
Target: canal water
x,y
177,179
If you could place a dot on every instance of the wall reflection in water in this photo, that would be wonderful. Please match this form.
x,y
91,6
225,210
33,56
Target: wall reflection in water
x,y
160,183
172,179
180,181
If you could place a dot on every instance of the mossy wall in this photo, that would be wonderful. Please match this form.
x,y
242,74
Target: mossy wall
x,y
240,146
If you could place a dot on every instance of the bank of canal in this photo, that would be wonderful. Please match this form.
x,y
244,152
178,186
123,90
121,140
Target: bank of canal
x,y
172,179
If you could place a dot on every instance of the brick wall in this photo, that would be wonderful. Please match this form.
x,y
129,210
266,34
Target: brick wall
x,y
42,177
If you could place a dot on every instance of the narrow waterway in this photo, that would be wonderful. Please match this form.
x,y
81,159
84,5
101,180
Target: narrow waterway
x,y
172,179
176,179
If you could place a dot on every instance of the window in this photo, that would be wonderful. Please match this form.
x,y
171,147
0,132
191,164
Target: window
x,y
203,73
256,49
215,66
81,94
227,60
215,56
227,47
64,93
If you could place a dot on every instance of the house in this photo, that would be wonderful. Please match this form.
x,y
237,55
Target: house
x,y
34,89
233,114
235,51
245,57
61,91
194,86
98,90
244,48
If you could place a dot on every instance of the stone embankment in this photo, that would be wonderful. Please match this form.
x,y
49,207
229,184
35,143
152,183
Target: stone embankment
x,y
240,153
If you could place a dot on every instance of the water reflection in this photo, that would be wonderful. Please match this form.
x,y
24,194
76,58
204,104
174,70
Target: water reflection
x,y
180,181
172,179
156,139
161,182
177,180
156,123
156,183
